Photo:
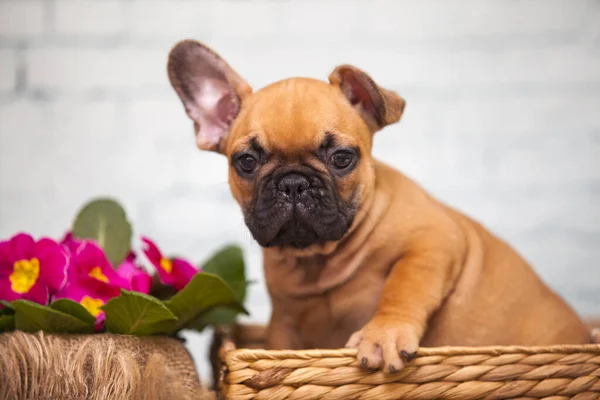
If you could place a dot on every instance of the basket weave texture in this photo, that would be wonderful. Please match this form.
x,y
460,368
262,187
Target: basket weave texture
x,y
102,366
502,372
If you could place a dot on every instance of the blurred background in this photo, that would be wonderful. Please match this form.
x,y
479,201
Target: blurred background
x,y
502,117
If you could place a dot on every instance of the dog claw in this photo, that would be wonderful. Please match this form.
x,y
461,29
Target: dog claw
x,y
408,356
363,363
392,369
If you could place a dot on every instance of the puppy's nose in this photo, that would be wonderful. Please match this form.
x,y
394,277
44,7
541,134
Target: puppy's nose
x,y
293,184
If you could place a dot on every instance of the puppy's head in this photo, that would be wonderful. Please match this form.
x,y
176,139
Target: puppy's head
x,y
299,150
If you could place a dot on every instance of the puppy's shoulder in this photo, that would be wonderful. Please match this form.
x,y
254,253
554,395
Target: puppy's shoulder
x,y
407,197
414,212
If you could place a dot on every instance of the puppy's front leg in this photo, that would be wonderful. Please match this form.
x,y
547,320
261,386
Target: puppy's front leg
x,y
280,335
415,288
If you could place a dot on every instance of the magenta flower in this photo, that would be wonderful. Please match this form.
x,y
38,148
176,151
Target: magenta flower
x,y
70,242
131,256
92,280
139,280
31,270
91,294
89,261
175,272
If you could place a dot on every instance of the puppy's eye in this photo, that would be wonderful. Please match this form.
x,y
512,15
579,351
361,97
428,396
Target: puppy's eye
x,y
247,163
342,159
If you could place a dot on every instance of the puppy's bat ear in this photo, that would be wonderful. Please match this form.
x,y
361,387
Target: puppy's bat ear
x,y
378,106
210,90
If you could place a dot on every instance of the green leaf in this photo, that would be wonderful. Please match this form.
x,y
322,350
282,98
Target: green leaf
x,y
228,263
202,293
134,313
7,306
220,315
32,317
73,309
105,221
7,323
7,316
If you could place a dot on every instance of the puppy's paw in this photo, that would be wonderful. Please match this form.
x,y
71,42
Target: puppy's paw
x,y
385,344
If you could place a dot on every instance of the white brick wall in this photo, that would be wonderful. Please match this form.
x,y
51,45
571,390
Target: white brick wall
x,y
473,18
8,70
502,120
160,19
74,17
21,18
77,69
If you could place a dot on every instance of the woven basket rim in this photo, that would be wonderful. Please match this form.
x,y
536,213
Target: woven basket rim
x,y
255,354
230,352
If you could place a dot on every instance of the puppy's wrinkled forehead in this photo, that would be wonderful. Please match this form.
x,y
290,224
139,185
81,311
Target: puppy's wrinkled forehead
x,y
294,116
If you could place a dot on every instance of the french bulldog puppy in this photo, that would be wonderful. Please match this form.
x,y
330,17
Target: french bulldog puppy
x,y
356,253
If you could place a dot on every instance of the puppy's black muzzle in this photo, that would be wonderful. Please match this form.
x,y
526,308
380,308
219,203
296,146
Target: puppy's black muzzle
x,y
297,206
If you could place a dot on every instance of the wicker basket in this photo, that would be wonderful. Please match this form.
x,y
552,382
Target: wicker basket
x,y
556,372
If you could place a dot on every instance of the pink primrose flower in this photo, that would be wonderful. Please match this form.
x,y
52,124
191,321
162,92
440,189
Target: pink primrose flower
x,y
175,272
31,270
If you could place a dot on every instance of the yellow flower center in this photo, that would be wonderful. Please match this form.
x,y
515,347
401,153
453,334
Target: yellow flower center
x,y
96,272
92,305
166,264
25,275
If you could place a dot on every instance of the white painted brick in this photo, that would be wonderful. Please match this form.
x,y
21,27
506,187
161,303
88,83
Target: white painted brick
x,y
417,21
242,20
263,64
181,218
162,131
570,272
460,71
21,211
162,123
21,18
325,19
571,266
507,119
522,211
557,158
44,189
89,17
8,70
178,19
20,124
506,141
564,64
543,141
81,69
87,149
